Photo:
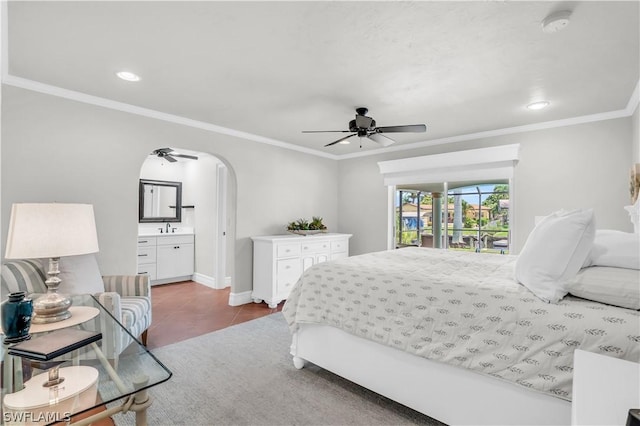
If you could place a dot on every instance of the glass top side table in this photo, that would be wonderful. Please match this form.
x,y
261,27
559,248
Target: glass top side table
x,y
88,379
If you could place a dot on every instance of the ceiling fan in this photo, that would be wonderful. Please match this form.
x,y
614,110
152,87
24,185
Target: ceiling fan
x,y
166,154
365,127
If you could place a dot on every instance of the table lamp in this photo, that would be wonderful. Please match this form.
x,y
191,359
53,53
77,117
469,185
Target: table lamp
x,y
51,230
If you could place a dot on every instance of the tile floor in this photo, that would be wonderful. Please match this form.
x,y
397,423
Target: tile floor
x,y
188,309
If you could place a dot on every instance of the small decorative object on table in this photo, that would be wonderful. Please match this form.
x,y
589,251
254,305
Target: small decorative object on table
x,y
305,227
16,317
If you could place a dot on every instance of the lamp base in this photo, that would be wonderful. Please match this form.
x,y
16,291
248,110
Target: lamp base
x,y
47,319
49,308
52,307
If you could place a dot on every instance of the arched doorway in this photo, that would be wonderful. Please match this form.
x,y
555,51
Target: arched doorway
x,y
208,210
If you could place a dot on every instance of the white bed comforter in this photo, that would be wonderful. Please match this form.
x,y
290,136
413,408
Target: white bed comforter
x,y
463,309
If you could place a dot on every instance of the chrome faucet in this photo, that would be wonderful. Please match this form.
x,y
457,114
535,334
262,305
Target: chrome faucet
x,y
168,227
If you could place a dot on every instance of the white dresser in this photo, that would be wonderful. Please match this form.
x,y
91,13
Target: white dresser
x,y
279,260
166,258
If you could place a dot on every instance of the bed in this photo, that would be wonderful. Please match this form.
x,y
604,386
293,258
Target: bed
x,y
452,334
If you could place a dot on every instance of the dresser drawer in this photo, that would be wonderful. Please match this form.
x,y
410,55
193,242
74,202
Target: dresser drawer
x,y
146,255
146,241
149,271
316,246
287,274
288,250
339,246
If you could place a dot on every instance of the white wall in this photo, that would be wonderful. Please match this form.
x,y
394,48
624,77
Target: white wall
x,y
55,149
202,178
576,166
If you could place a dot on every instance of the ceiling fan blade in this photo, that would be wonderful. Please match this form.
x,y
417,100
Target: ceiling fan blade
x,y
340,140
191,157
381,139
412,128
326,131
169,158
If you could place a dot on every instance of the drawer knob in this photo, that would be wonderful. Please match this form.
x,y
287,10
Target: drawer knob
x,y
287,267
144,241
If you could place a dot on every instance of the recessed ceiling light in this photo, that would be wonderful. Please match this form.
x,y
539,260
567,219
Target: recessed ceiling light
x,y
344,142
538,105
555,22
128,76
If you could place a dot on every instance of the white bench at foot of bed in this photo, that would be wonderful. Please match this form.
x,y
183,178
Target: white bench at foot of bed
x,y
449,394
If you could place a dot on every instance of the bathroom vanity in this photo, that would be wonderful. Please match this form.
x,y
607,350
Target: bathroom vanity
x,y
166,258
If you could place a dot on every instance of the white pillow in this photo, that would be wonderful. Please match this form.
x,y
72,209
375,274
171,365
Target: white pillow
x,y
615,248
79,274
554,253
613,286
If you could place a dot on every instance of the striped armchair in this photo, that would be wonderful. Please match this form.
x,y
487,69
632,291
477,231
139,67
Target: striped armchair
x,y
126,297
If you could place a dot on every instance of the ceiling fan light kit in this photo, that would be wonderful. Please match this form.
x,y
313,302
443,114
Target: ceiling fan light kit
x,y
365,128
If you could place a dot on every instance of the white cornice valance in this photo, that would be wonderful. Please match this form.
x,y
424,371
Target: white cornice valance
x,y
471,165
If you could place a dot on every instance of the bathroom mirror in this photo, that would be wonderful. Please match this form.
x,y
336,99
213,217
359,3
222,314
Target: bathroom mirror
x,y
160,201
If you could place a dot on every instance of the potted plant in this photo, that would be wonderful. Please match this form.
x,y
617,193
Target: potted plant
x,y
305,227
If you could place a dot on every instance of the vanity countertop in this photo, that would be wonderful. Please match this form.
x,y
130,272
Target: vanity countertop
x,y
155,232
158,234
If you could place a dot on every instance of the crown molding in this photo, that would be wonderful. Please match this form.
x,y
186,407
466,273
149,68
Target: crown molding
x,y
634,100
33,85
150,113
497,132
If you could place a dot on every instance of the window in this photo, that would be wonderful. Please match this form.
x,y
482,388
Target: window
x,y
477,217
460,200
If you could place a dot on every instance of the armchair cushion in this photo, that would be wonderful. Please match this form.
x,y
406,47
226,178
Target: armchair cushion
x,y
22,275
128,285
79,274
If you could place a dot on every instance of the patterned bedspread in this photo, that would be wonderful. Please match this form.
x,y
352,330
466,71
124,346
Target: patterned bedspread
x,y
463,309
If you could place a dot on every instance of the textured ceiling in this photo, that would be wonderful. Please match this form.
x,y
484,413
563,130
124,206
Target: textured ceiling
x,y
276,68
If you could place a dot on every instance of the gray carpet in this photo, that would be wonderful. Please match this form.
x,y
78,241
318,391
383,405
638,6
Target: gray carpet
x,y
243,375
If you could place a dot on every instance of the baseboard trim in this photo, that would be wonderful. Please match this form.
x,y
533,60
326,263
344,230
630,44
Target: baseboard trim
x,y
210,281
237,299
204,280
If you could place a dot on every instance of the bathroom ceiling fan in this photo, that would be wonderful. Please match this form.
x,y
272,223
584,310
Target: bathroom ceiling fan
x,y
365,127
166,154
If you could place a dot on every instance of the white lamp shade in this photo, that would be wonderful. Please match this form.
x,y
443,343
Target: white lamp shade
x,y
38,230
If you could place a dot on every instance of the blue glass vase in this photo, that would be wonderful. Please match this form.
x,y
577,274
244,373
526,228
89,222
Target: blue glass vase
x,y
16,317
